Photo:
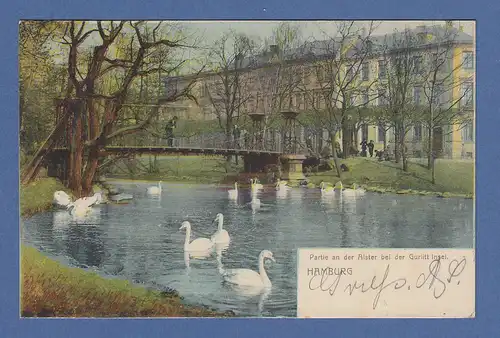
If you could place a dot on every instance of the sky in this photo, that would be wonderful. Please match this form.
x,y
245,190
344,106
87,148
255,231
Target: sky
x,y
212,30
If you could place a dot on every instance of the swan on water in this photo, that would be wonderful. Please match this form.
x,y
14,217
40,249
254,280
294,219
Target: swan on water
x,y
282,185
81,205
197,245
348,192
255,203
79,210
247,277
255,184
155,190
61,199
233,193
221,235
325,190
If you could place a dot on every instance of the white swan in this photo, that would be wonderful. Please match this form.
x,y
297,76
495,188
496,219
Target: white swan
x,y
221,235
233,193
247,277
347,192
256,185
255,203
282,185
325,190
199,244
79,210
155,190
61,199
81,205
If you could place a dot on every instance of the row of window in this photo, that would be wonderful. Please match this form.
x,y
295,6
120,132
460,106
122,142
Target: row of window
x,y
316,99
351,70
467,133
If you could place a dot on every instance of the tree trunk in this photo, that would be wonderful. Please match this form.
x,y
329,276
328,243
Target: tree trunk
x,y
333,140
403,153
430,147
75,181
433,169
397,142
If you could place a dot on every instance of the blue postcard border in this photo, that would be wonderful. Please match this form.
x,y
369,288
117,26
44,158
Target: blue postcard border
x,y
487,212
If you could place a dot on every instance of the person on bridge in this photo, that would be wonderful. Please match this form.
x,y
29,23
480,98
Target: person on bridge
x,y
236,135
169,129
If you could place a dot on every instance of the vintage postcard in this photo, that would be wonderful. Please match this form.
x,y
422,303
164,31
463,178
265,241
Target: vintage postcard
x,y
311,169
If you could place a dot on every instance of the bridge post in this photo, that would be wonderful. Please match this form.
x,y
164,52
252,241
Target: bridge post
x,y
292,162
257,137
57,165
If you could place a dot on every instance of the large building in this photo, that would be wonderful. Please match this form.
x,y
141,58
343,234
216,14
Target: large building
x,y
439,60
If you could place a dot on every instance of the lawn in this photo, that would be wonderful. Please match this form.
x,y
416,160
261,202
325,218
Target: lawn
x,y
203,169
37,196
451,176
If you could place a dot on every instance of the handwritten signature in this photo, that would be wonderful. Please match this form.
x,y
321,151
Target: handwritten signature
x,y
433,279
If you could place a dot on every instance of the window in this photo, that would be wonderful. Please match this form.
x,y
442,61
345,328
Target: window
x,y
306,101
299,103
438,94
417,64
320,73
468,60
382,69
417,132
352,100
364,132
381,133
366,97
416,95
467,95
381,97
365,71
468,132
318,100
350,72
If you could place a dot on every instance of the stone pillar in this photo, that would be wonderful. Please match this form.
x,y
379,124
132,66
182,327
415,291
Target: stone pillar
x,y
292,167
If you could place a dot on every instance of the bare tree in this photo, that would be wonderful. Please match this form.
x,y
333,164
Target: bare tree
x,y
339,61
439,80
125,67
227,85
399,90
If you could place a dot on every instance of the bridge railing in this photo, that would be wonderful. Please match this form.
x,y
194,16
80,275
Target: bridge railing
x,y
265,141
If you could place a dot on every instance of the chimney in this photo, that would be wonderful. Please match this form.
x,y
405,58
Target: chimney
x,y
274,49
239,60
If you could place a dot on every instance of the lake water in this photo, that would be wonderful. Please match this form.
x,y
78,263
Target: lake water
x,y
141,241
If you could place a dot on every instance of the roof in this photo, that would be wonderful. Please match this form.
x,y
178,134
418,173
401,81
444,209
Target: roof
x,y
324,48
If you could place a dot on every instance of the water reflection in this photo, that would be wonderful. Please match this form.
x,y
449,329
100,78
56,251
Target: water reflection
x,y
141,241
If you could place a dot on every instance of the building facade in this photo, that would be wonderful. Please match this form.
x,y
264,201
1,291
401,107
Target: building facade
x,y
439,60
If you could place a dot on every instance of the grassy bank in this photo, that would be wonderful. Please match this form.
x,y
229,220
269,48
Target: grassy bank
x,y
50,289
453,177
37,196
201,169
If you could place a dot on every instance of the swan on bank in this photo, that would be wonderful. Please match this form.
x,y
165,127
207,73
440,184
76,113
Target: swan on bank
x,y
61,199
